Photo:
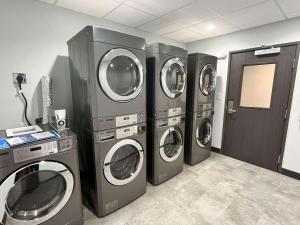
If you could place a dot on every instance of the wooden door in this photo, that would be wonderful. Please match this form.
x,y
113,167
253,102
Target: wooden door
x,y
257,105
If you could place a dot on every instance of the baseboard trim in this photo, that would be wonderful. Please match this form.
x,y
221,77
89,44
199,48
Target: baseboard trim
x,y
291,173
217,150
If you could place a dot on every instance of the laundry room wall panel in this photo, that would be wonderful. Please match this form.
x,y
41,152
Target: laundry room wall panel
x,y
276,33
33,40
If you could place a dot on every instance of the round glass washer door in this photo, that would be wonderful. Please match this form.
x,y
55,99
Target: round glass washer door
x,y
121,75
171,145
173,78
204,133
207,79
123,162
35,193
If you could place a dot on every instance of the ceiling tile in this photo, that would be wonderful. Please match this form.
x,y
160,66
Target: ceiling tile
x,y
293,14
159,26
221,27
157,7
194,39
264,13
191,14
228,6
129,16
184,34
291,8
49,1
90,7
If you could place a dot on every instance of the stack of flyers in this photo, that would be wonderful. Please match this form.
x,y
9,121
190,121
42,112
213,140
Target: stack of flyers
x,y
29,138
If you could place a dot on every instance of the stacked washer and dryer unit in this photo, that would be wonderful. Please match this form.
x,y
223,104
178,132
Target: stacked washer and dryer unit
x,y
200,107
109,98
166,103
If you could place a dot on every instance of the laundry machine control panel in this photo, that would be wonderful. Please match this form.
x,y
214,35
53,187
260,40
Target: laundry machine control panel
x,y
174,120
120,133
130,119
170,112
207,106
35,151
170,121
174,112
45,148
119,121
126,132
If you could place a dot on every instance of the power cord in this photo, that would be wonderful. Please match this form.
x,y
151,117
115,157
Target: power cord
x,y
20,80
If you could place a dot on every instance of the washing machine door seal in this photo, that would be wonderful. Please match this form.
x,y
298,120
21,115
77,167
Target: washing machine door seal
x,y
173,78
164,147
121,75
122,167
204,133
207,79
46,184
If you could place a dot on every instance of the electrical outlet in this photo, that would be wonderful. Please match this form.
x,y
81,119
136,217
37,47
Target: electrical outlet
x,y
15,75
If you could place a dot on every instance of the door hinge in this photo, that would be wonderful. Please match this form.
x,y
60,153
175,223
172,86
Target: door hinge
x,y
278,159
285,114
294,63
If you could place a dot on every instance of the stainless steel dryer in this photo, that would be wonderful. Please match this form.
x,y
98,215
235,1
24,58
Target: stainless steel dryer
x,y
166,81
114,168
201,82
40,184
165,149
108,78
198,134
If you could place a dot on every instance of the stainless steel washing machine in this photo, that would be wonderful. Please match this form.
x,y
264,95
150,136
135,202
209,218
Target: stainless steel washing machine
x,y
166,81
201,82
198,134
108,78
165,148
40,184
114,172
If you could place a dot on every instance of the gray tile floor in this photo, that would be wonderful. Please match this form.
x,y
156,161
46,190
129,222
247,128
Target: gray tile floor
x,y
218,191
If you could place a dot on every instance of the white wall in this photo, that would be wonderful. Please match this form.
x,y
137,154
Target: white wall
x,y
33,40
287,31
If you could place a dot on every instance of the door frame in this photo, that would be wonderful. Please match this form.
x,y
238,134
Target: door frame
x,y
290,97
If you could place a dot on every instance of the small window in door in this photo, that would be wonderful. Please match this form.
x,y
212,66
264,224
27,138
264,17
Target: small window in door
x,y
257,86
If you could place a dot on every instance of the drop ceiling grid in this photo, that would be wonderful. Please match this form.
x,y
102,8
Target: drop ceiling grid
x,y
184,34
266,12
228,24
179,19
128,16
94,8
291,8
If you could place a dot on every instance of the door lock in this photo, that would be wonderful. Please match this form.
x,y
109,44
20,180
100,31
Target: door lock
x,y
230,109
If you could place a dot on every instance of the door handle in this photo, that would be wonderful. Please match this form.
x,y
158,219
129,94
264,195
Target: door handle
x,y
231,111
230,107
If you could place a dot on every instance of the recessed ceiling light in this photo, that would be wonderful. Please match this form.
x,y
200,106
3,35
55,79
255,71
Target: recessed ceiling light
x,y
210,27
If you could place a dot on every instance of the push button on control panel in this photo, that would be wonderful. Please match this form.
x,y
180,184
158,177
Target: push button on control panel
x,y
141,129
